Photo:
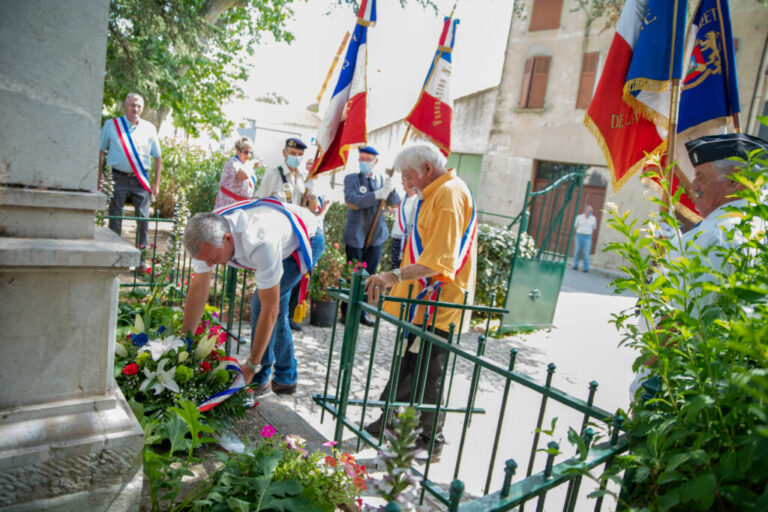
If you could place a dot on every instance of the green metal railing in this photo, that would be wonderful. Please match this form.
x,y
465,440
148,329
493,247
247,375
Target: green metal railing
x,y
462,407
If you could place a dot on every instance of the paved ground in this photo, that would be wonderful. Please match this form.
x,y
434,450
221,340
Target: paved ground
x,y
583,344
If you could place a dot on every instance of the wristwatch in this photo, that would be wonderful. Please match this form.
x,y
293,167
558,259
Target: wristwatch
x,y
253,367
398,274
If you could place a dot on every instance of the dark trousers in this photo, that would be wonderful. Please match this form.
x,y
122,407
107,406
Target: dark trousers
x,y
128,186
433,373
397,244
370,256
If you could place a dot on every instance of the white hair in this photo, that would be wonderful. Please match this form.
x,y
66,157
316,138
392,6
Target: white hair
x,y
724,166
134,95
243,143
204,227
414,157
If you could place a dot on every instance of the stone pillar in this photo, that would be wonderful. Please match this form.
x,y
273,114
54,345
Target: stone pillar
x,y
68,441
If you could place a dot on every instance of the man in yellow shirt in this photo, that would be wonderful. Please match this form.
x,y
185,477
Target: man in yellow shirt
x,y
439,255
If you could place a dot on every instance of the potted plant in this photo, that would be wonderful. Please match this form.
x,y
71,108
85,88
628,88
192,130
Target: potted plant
x,y
326,273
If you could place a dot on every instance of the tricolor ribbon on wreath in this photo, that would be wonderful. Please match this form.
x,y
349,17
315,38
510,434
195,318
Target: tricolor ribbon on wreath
x,y
237,385
303,255
129,148
429,287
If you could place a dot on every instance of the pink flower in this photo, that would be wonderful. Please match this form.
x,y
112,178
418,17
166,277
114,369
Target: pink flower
x,y
335,245
349,262
268,431
330,444
222,337
365,265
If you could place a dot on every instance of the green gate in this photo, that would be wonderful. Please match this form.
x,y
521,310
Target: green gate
x,y
534,282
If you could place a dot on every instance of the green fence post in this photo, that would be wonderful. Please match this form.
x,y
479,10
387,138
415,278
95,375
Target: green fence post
x,y
457,491
231,289
510,466
551,447
356,295
575,484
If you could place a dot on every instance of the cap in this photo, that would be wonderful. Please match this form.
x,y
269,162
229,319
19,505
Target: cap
x,y
369,150
294,142
720,147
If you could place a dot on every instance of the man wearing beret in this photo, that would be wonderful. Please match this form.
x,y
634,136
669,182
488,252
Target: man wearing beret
x,y
287,183
363,192
712,191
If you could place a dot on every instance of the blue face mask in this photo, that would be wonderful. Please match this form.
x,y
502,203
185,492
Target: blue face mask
x,y
292,161
366,168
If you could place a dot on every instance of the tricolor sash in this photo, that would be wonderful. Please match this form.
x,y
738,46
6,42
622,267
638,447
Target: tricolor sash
x,y
236,197
129,148
430,287
402,223
237,385
303,255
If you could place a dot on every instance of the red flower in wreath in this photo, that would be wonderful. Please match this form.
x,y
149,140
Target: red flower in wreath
x,y
205,366
131,369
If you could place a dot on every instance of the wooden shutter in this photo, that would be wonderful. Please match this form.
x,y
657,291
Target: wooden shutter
x,y
539,80
587,79
545,15
526,88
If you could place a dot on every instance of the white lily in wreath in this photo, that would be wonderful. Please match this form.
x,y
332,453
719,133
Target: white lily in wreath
x,y
160,379
159,347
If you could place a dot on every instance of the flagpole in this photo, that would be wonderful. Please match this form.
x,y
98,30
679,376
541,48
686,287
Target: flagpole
x,y
431,73
735,115
333,66
673,110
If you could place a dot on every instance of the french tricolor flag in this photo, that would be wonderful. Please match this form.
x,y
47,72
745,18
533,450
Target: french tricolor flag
x,y
344,126
625,136
432,114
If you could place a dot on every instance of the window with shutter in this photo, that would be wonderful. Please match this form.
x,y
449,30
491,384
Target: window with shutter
x,y
587,79
545,15
526,89
539,80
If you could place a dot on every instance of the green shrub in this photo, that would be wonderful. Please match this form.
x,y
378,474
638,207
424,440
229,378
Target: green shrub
x,y
193,171
336,219
699,433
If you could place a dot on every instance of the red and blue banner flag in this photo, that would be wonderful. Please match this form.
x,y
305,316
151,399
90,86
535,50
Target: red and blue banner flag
x,y
431,116
344,124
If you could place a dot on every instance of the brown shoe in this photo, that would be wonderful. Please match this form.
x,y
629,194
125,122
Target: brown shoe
x,y
283,389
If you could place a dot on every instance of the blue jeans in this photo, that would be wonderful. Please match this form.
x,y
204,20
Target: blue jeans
x,y
583,246
279,352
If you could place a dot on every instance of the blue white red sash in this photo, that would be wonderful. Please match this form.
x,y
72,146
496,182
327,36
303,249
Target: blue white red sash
x,y
304,258
402,223
429,287
237,385
129,148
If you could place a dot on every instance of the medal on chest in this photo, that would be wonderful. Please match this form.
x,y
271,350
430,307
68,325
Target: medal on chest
x,y
287,189
363,190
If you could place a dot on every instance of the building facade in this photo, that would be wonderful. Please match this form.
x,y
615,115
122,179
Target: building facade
x,y
530,127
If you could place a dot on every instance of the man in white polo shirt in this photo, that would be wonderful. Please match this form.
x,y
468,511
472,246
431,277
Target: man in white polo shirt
x,y
280,243
585,224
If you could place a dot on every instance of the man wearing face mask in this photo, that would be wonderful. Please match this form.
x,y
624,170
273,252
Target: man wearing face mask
x,y
363,192
286,181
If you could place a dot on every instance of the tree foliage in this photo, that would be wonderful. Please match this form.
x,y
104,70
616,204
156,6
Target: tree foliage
x,y
187,56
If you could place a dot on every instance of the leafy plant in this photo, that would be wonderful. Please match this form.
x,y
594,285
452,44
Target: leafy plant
x,y
699,432
330,267
279,474
397,456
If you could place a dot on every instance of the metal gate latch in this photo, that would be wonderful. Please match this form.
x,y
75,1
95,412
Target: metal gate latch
x,y
534,294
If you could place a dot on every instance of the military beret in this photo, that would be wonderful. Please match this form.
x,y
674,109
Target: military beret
x,y
369,150
294,142
720,147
